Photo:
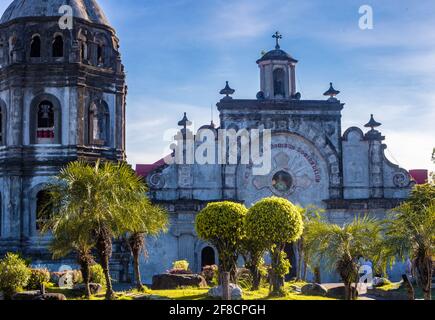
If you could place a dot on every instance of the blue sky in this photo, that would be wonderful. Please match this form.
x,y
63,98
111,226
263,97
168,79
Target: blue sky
x,y
179,53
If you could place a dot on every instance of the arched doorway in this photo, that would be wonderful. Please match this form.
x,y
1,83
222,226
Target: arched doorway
x,y
208,257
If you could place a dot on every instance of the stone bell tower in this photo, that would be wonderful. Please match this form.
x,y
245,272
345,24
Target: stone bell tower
x,y
277,74
62,98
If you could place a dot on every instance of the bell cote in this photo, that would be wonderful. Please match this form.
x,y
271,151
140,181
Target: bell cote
x,y
277,73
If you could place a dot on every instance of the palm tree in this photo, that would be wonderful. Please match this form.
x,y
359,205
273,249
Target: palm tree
x,y
410,232
339,247
68,225
155,220
108,201
308,214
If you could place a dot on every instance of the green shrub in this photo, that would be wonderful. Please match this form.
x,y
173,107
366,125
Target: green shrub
x,y
222,225
97,275
37,278
14,274
181,265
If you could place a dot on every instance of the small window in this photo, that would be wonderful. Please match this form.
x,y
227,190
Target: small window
x,y
58,47
35,47
84,50
278,82
43,209
45,133
100,54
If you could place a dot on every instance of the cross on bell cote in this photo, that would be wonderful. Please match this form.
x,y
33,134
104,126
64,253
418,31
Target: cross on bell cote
x,y
277,36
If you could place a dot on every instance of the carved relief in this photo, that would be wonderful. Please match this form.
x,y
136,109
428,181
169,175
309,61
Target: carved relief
x,y
401,180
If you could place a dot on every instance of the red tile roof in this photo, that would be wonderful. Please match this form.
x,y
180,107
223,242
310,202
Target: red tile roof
x,y
144,170
420,176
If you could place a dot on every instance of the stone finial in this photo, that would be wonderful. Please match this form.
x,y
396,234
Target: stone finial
x,y
331,93
373,134
372,123
185,122
227,91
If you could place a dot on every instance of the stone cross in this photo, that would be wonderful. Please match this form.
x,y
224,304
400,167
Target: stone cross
x,y
277,36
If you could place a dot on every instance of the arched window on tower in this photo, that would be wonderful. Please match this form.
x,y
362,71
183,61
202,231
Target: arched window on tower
x,y
35,47
278,82
99,124
45,132
43,209
84,50
100,54
58,46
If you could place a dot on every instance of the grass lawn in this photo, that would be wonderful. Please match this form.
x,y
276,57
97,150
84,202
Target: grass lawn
x,y
399,287
187,294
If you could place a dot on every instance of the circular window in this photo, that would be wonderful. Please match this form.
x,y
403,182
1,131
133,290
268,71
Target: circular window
x,y
282,181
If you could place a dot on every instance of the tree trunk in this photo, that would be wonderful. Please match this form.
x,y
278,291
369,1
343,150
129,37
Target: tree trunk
x,y
425,271
409,288
347,291
256,279
317,275
139,284
226,294
137,244
277,280
104,249
304,276
301,259
85,260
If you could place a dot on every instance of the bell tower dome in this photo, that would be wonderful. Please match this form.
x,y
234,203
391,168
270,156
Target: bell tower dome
x,y
277,73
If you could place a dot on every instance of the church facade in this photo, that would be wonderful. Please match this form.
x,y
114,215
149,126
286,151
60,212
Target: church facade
x,y
62,98
314,163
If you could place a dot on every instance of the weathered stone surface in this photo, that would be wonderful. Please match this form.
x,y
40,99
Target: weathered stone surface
x,y
51,297
95,288
174,281
314,289
236,292
26,295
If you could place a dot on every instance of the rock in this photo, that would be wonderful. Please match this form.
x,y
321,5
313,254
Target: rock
x,y
26,295
51,297
216,292
314,289
338,292
174,281
95,288
2,296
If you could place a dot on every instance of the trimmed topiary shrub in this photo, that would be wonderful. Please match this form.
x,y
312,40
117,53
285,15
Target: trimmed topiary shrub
x,y
97,275
222,225
37,278
14,274
274,222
